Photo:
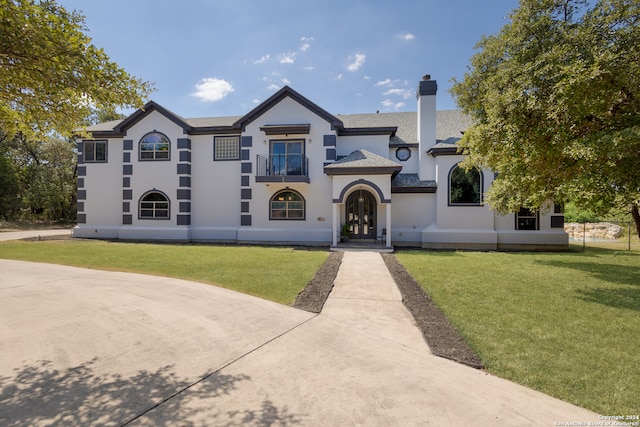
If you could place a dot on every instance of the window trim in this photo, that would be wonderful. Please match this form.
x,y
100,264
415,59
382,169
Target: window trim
x,y
481,184
403,149
303,156
215,148
532,215
154,218
154,159
283,191
95,142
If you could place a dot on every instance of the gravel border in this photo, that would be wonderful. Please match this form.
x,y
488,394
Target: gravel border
x,y
441,337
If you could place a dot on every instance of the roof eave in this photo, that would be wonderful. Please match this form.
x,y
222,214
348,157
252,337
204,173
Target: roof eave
x,y
443,151
378,130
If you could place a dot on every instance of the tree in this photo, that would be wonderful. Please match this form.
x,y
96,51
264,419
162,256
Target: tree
x,y
38,179
51,75
555,99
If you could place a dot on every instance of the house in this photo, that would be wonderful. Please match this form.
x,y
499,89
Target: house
x,y
290,172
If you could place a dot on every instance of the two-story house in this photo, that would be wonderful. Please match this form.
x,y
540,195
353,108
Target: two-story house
x,y
290,172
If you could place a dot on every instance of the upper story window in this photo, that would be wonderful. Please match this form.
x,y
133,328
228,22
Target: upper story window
x,y
154,146
287,204
226,148
94,151
287,157
465,187
403,154
154,205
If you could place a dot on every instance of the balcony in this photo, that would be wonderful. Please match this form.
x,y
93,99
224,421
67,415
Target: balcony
x,y
282,168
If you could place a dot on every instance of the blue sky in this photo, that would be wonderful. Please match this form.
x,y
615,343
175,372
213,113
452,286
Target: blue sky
x,y
223,57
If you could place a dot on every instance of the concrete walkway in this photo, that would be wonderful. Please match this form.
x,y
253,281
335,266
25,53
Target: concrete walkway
x,y
17,235
84,347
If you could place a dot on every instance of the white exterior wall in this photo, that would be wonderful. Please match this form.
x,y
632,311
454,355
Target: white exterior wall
x,y
160,175
412,219
410,215
426,135
103,204
377,144
215,193
408,166
459,226
543,238
316,228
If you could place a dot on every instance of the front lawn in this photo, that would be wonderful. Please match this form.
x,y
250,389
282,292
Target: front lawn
x,y
566,324
273,273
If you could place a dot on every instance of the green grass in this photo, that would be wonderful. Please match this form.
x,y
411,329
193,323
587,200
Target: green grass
x,y
273,273
566,324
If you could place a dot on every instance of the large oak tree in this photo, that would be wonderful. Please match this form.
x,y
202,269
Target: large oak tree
x,y
555,98
51,75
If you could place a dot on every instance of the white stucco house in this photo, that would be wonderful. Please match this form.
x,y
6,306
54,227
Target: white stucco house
x,y
290,172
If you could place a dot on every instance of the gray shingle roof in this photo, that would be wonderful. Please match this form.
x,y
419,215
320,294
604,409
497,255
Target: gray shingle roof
x,y
363,162
449,124
363,159
213,121
411,183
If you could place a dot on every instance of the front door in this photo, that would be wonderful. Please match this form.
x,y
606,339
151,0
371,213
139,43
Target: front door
x,y
361,215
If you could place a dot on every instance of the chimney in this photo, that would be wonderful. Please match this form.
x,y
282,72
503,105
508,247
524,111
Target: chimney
x,y
426,95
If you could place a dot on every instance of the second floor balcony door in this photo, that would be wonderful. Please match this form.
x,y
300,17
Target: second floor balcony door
x,y
287,157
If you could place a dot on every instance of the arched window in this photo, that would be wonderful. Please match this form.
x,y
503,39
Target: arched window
x,y
465,186
154,205
154,146
286,204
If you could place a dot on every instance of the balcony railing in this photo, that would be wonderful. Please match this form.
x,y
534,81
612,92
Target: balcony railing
x,y
282,168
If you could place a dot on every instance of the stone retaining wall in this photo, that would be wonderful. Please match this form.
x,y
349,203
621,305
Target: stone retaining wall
x,y
593,231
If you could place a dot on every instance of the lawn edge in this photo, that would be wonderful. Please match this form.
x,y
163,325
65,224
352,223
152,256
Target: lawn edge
x,y
315,294
441,336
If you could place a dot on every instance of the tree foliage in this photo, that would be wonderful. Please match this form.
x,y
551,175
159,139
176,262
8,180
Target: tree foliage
x,y
38,179
51,75
555,98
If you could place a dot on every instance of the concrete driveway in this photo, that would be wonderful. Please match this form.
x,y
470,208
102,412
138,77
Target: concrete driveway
x,y
85,347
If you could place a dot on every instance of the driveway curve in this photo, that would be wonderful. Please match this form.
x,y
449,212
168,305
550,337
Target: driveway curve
x,y
87,347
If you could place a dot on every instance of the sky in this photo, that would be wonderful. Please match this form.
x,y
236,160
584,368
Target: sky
x,y
223,57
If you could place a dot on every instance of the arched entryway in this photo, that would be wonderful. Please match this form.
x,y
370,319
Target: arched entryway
x,y
360,215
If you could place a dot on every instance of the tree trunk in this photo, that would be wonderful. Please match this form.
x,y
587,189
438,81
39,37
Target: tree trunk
x,y
636,217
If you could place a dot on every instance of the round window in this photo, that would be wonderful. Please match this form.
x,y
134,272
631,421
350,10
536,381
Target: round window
x,y
403,154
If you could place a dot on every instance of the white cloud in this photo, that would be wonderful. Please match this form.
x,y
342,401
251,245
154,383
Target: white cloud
x,y
385,82
273,86
286,81
287,58
305,47
309,68
306,39
405,93
339,76
256,101
262,60
212,89
356,61
406,36
389,104
367,77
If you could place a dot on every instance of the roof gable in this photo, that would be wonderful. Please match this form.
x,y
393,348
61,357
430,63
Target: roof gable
x,y
279,96
143,112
